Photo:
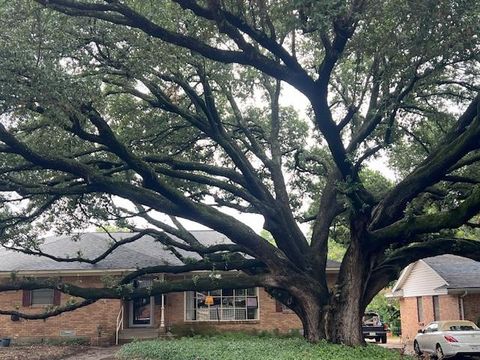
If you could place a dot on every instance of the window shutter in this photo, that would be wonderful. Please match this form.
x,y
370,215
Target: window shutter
x,y
56,297
278,306
27,298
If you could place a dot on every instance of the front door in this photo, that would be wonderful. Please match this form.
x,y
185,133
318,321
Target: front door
x,y
141,312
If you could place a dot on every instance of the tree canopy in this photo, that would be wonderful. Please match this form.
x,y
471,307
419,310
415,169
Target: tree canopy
x,y
176,107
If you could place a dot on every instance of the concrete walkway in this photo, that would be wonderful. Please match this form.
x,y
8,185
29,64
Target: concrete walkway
x,y
395,343
96,354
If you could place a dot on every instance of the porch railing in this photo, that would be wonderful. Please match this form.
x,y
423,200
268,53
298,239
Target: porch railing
x,y
119,323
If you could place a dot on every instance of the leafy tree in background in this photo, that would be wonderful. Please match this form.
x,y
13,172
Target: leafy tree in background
x,y
176,107
389,311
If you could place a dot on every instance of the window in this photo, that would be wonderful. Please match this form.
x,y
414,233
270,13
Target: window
x,y
419,309
436,308
461,311
222,305
462,328
432,328
40,297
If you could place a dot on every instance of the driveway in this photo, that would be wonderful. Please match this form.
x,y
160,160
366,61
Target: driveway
x,y
395,343
407,349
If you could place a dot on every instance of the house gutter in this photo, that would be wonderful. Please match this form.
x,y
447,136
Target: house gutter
x,y
69,272
93,272
463,291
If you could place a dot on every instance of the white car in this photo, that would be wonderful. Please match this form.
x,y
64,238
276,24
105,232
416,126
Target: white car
x,y
444,339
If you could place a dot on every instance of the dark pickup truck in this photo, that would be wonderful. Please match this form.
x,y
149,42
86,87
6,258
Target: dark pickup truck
x,y
374,328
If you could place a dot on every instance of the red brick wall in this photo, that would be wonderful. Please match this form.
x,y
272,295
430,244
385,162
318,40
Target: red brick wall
x,y
471,306
409,320
449,310
95,322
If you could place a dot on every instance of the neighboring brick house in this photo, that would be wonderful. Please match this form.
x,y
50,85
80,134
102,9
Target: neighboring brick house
x,y
445,287
245,309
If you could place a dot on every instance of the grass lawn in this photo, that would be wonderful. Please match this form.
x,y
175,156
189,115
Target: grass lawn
x,y
243,347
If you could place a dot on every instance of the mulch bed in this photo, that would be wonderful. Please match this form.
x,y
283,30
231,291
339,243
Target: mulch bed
x,y
39,352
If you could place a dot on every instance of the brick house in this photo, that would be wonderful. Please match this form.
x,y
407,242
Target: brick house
x,y
106,320
445,287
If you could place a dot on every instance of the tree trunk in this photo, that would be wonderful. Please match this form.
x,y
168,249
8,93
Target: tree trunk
x,y
344,325
312,320
305,299
338,322
335,315
344,317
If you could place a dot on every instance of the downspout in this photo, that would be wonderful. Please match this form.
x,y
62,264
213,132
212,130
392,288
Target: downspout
x,y
162,308
462,309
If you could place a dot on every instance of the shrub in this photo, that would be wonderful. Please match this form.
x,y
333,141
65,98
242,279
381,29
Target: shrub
x,y
207,330
182,330
245,347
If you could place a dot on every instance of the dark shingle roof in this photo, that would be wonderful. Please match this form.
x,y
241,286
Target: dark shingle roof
x,y
457,271
140,253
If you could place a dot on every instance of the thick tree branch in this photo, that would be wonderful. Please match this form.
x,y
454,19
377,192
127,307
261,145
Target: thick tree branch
x,y
127,292
456,145
245,265
57,310
431,223
260,37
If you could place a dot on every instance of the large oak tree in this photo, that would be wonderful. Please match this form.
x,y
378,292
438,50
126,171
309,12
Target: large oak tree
x,y
175,106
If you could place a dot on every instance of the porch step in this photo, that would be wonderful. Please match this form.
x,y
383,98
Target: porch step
x,y
140,333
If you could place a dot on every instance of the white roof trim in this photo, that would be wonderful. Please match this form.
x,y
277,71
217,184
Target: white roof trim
x,y
396,294
403,277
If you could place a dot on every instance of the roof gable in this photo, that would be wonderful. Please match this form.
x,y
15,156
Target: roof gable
x,y
419,280
438,275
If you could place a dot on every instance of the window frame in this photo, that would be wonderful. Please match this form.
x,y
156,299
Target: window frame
x,y
461,308
220,308
420,317
436,307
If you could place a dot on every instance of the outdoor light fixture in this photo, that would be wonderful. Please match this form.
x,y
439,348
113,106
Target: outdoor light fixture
x,y
209,300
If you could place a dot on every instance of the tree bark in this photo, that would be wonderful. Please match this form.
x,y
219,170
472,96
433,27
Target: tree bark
x,y
344,325
338,319
310,312
344,317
